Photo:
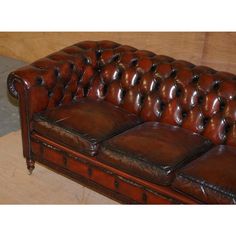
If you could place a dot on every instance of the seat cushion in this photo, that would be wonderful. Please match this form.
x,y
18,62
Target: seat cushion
x,y
211,178
153,151
83,125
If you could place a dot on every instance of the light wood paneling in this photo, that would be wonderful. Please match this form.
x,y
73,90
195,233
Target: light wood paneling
x,y
31,46
220,51
217,50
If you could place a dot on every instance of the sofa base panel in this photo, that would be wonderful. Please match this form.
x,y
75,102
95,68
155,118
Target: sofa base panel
x,y
104,179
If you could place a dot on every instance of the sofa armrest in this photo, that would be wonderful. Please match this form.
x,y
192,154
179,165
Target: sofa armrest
x,y
60,78
52,81
48,83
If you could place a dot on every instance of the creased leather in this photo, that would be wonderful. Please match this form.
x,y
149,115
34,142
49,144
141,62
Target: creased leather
x,y
153,150
84,124
211,178
152,87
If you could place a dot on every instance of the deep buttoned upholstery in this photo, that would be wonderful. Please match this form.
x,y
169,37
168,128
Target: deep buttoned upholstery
x,y
155,87
90,97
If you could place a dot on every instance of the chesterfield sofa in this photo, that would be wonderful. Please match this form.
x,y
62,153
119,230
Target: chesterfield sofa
x,y
135,126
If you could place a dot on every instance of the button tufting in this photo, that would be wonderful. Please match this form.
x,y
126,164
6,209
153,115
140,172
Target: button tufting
x,y
134,62
57,72
98,54
216,85
173,73
205,120
72,66
156,87
178,92
222,104
39,81
195,79
200,99
153,68
50,93
115,58
227,127
184,114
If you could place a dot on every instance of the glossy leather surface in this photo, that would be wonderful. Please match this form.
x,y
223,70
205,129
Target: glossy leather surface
x,y
153,151
211,178
155,87
84,124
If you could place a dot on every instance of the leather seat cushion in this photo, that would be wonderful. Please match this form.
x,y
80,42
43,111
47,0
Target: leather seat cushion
x,y
84,124
211,178
153,151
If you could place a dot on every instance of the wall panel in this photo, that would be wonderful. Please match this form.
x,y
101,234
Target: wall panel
x,y
213,49
220,51
30,46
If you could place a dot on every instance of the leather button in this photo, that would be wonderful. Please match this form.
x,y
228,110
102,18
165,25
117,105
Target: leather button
x,y
136,80
39,81
50,93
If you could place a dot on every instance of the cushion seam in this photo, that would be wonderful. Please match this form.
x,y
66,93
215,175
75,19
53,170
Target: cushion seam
x,y
139,157
86,136
207,185
157,169
168,169
205,147
86,152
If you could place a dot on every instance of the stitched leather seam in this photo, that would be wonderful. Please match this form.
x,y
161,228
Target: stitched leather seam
x,y
163,168
209,186
87,137
132,155
200,150
154,172
91,151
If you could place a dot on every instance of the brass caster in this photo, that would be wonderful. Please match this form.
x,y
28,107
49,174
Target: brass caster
x,y
30,171
30,166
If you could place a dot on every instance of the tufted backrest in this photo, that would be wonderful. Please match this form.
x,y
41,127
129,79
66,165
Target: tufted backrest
x,y
155,87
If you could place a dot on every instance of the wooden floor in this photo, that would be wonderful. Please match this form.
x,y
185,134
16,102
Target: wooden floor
x,y
43,186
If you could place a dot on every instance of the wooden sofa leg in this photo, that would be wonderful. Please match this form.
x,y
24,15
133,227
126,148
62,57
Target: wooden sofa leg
x,y
30,165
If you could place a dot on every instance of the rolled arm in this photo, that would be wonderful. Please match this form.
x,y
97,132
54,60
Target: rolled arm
x,y
54,80
57,79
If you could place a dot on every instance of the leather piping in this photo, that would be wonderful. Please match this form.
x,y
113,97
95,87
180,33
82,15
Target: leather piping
x,y
209,186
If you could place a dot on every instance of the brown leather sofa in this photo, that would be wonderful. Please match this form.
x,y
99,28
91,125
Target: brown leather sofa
x,y
135,126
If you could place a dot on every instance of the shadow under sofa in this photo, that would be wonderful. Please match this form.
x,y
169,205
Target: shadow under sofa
x,y
135,126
